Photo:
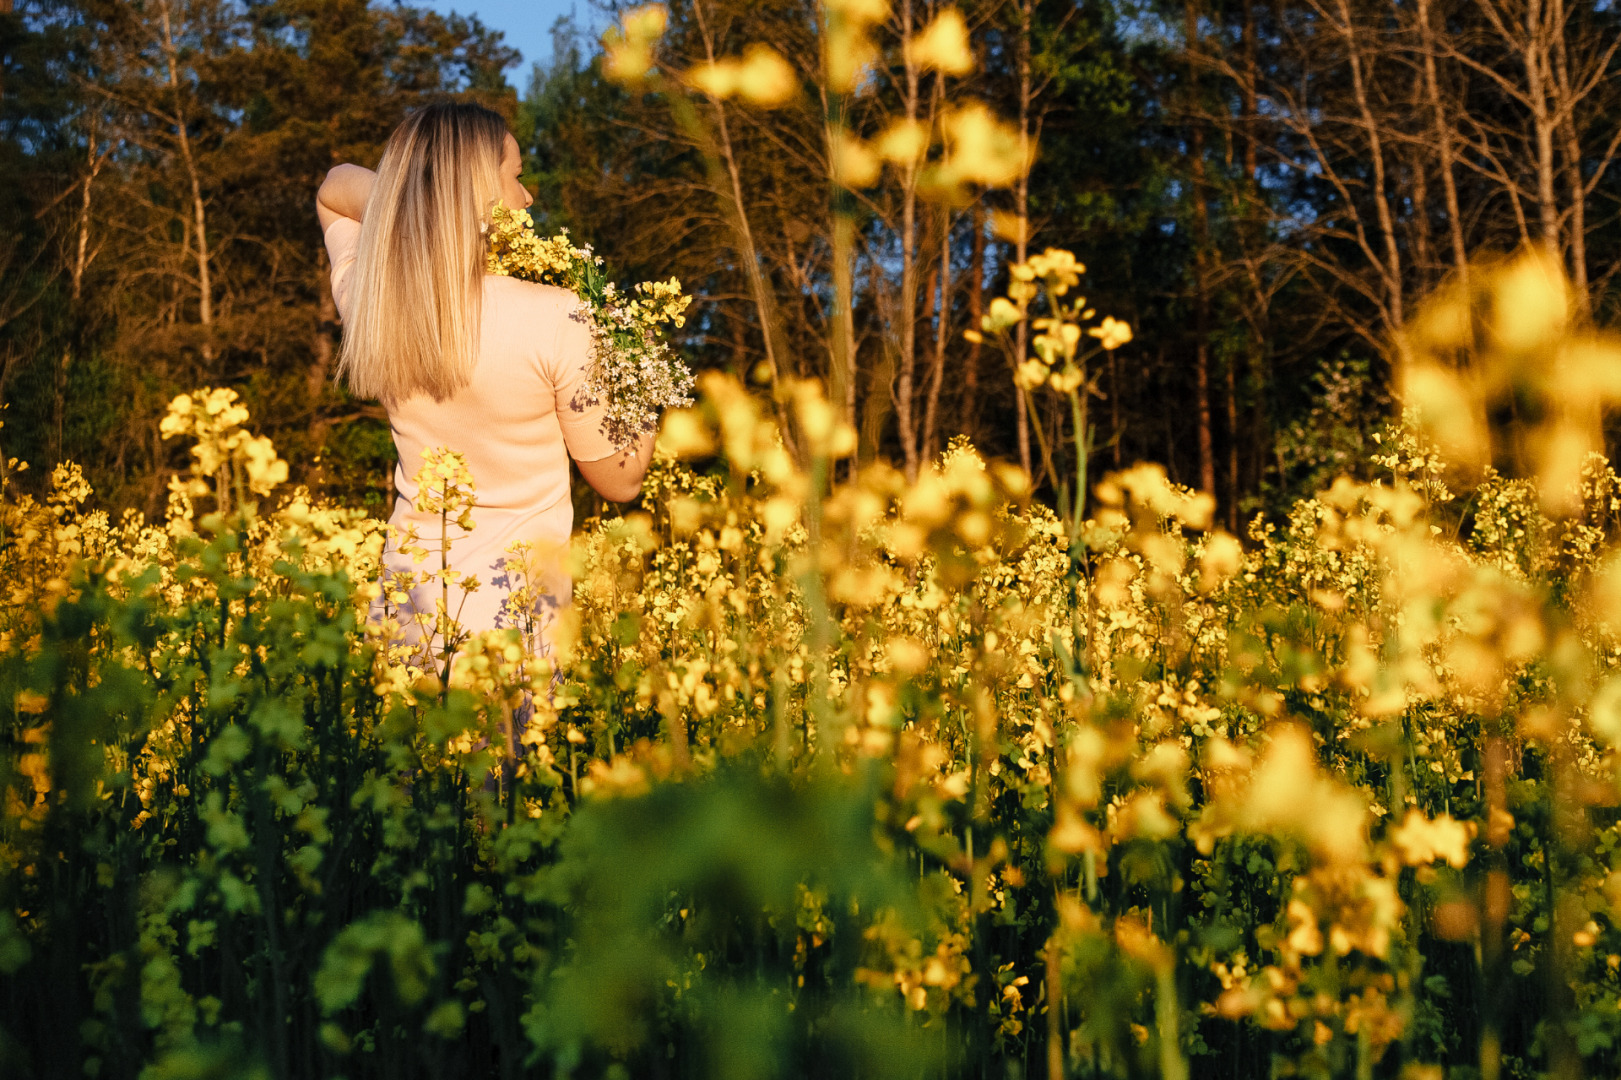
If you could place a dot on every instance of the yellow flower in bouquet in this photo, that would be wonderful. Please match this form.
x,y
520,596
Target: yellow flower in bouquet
x,y
633,369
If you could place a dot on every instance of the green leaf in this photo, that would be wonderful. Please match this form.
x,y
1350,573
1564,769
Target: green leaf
x,y
280,722
352,954
445,1021
14,947
227,748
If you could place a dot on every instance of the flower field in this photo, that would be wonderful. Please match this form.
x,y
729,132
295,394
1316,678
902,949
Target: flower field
x,y
838,774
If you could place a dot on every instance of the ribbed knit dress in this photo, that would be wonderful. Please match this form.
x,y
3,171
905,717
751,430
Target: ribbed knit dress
x,y
517,423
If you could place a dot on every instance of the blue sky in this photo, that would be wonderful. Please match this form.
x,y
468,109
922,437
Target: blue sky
x,y
526,23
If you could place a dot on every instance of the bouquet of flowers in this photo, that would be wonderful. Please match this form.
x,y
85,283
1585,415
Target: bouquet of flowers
x,y
632,368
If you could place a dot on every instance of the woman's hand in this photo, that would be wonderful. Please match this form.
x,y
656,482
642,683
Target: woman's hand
x,y
618,478
343,194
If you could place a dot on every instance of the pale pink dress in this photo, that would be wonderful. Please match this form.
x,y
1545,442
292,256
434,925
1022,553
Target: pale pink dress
x,y
517,423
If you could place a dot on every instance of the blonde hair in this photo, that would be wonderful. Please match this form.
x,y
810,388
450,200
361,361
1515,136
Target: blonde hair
x,y
416,297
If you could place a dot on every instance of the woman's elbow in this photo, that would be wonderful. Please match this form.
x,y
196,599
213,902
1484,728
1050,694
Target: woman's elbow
x,y
331,185
619,485
619,490
618,478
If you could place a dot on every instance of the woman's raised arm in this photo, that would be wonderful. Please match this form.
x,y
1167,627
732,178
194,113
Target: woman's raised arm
x,y
344,193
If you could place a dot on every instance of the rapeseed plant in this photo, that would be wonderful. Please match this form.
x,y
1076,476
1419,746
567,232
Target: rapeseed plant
x,y
1140,795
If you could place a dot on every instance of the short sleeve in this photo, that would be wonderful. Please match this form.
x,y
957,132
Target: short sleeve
x,y
342,241
577,414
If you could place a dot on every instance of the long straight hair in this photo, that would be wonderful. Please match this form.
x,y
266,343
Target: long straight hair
x,y
416,297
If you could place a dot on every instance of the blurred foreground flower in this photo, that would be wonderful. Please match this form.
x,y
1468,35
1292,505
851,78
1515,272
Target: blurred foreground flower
x,y
943,45
1500,372
628,47
762,76
980,149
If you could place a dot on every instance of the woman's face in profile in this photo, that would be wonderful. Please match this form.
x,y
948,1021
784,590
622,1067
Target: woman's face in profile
x,y
513,193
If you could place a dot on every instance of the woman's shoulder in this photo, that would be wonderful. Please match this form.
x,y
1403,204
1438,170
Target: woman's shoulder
x,y
543,324
537,298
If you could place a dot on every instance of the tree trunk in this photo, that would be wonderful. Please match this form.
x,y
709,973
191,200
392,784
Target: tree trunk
x,y
76,272
842,340
1114,405
1534,55
976,311
878,393
1423,261
1247,95
905,392
1566,109
1233,479
1392,270
942,328
1021,207
1201,385
6,8
764,299
845,375
205,289
1441,130
1254,239
1201,244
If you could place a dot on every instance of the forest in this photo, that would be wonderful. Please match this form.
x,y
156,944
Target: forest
x,y
1133,595
1263,191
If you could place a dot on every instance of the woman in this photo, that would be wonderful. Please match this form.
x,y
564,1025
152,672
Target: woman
x,y
488,366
